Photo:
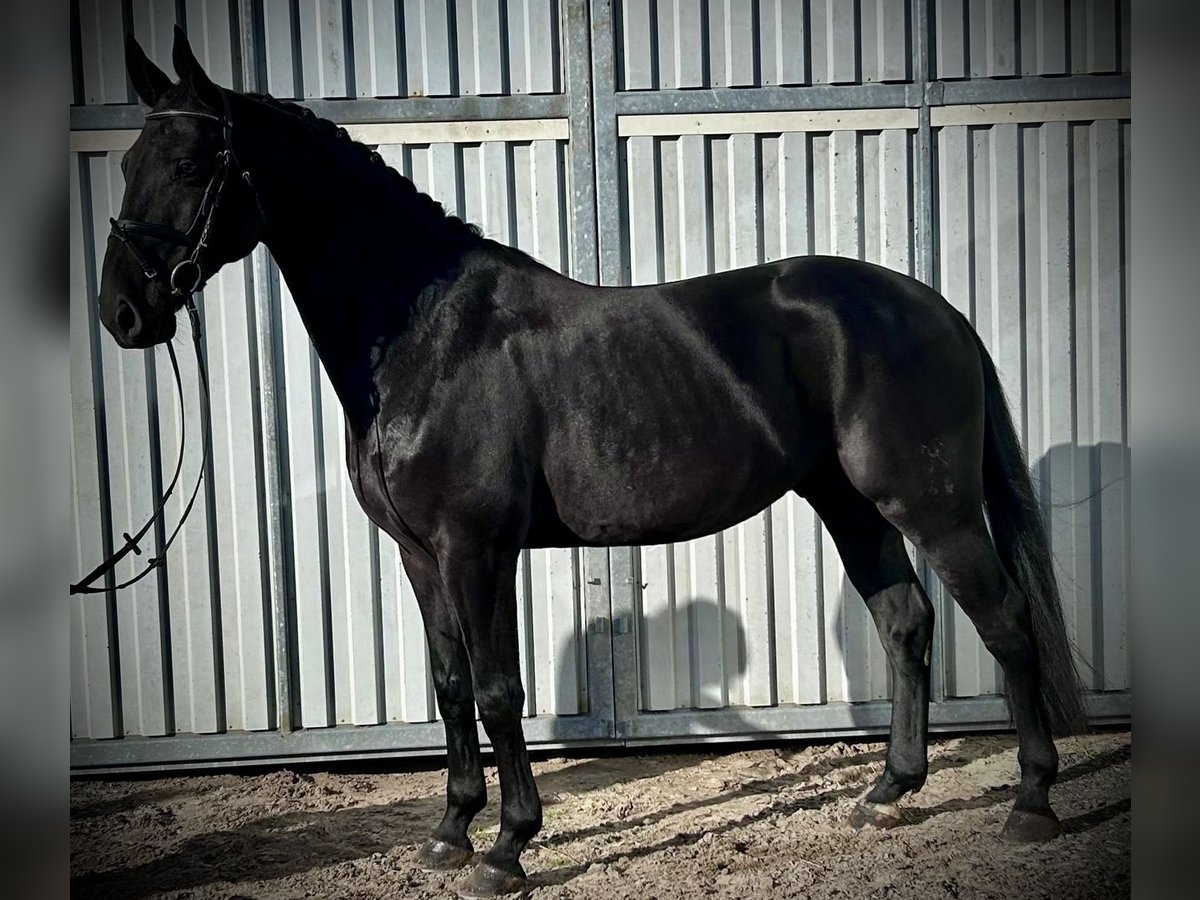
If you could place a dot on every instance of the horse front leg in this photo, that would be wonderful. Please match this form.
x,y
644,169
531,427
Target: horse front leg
x,y
466,794
482,589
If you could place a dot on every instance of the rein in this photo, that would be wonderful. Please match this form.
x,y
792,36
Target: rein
x,y
185,279
83,586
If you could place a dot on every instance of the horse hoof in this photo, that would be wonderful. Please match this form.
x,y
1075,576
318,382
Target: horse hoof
x,y
487,880
879,815
1024,827
441,856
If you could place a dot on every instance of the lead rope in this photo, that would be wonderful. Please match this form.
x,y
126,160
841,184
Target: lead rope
x,y
131,542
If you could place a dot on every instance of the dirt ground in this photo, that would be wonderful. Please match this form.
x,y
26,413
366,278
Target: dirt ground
x,y
761,822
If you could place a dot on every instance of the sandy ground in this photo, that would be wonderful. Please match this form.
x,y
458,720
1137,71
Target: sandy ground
x,y
761,822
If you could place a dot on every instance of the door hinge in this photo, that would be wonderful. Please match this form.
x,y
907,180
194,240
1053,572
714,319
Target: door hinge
x,y
622,624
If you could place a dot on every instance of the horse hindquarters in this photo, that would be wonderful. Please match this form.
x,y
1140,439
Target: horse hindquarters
x,y
1009,593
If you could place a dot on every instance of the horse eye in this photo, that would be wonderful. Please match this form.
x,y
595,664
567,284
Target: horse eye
x,y
185,168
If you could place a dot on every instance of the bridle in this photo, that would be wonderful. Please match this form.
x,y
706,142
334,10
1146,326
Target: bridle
x,y
185,279
187,276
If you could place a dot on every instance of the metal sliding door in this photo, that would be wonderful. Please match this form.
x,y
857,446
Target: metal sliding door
x,y
284,625
902,134
982,148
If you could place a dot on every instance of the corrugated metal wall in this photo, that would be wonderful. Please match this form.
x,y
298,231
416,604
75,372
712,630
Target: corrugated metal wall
x,y
1004,38
1028,224
1033,224
693,43
1033,249
702,136
334,48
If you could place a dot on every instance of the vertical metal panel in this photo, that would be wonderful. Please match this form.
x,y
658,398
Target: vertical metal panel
x,y
783,51
193,593
377,70
669,44
408,682
132,494
93,687
353,593
104,23
102,55
154,27
237,489
1001,38
211,33
303,426
421,48
168,630
1033,223
278,51
428,36
323,63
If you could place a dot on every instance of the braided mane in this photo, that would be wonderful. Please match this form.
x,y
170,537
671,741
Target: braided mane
x,y
426,208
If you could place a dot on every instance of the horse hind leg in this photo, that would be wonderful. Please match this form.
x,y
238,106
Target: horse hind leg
x,y
873,553
959,547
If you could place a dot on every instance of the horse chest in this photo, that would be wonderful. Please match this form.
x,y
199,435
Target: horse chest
x,y
379,499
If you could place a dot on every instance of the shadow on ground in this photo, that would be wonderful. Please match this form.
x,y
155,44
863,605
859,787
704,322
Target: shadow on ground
x,y
279,846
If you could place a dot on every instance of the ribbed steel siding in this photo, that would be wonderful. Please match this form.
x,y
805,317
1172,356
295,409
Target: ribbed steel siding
x,y
100,66
190,650
414,48
1034,234
999,38
360,648
763,613
738,43
336,48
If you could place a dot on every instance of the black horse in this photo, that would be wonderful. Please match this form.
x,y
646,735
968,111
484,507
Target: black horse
x,y
492,404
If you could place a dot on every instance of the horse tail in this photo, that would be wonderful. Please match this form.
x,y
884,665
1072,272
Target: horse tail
x,y
1020,536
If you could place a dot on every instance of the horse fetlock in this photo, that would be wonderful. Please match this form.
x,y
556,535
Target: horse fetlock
x,y
893,784
521,826
464,802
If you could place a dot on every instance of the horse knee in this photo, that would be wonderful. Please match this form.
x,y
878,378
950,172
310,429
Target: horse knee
x,y
455,698
904,619
500,700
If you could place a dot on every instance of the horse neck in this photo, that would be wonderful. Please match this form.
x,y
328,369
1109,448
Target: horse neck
x,y
344,249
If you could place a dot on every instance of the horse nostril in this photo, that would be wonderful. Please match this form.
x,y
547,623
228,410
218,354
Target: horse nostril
x,y
127,318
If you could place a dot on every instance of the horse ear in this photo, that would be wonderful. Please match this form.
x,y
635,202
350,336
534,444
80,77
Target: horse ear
x,y
149,81
191,73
